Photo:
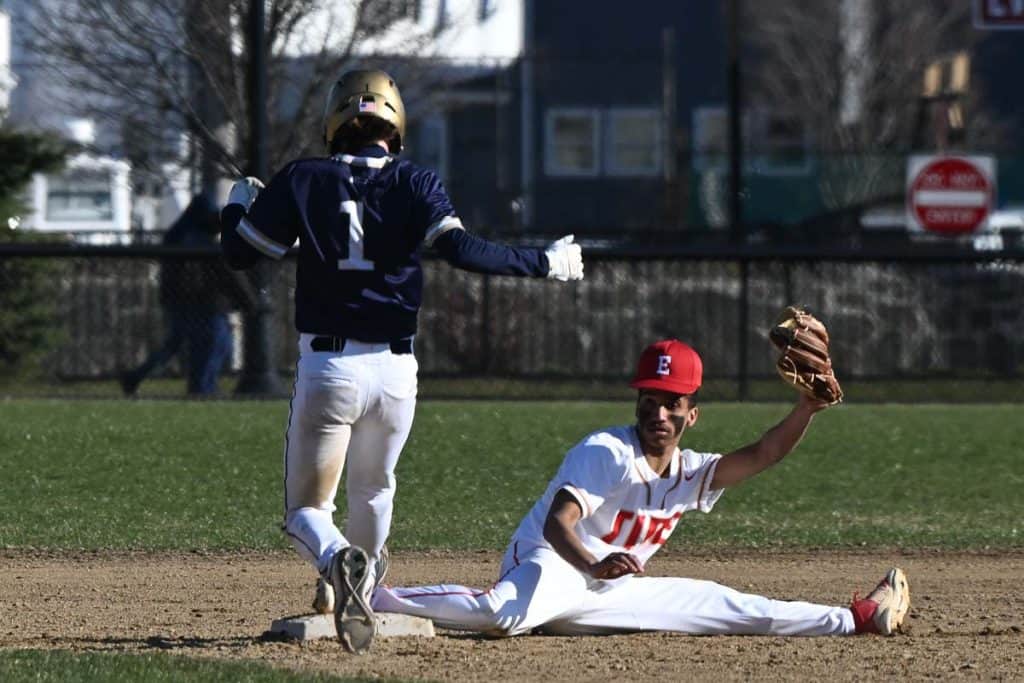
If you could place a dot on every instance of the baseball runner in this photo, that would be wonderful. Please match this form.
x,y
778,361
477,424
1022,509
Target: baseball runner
x,y
362,218
575,563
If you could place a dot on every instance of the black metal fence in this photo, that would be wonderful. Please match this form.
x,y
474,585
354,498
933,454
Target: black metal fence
x,y
73,320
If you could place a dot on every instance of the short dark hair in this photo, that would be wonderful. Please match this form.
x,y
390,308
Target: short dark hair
x,y
361,132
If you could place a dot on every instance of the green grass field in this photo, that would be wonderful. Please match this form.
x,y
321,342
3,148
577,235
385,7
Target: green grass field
x,y
207,475
18,666
168,475
938,389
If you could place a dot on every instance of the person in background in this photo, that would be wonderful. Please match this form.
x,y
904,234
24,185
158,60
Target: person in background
x,y
196,296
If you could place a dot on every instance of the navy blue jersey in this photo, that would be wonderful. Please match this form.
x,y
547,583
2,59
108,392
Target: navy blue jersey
x,y
361,222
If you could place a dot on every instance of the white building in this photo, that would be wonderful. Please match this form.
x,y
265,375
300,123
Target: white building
x,y
92,194
90,198
7,80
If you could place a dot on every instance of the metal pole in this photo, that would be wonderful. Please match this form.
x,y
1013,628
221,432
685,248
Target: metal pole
x,y
257,83
668,115
744,324
737,226
258,373
485,327
526,116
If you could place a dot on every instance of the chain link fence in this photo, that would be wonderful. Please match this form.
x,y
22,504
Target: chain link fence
x,y
80,321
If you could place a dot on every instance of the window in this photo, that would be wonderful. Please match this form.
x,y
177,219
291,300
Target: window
x,y
612,142
572,142
79,195
773,143
634,145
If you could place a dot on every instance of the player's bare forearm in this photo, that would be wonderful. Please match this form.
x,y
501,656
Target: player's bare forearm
x,y
560,532
773,446
780,440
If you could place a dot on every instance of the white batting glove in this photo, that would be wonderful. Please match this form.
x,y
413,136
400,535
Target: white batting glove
x,y
565,260
244,191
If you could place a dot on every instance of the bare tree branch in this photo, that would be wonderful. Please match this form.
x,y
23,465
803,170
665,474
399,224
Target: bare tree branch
x,y
852,71
145,63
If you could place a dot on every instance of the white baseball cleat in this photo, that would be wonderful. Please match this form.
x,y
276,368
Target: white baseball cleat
x,y
885,608
353,618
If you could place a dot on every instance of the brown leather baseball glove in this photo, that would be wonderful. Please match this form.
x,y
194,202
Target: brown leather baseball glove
x,y
805,362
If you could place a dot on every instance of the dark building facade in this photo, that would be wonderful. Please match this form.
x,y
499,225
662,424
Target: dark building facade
x,y
591,129
614,123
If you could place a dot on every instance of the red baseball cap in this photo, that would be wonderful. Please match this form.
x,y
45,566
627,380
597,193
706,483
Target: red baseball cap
x,y
669,365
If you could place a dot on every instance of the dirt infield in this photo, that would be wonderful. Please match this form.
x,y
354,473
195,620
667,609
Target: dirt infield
x,y
966,620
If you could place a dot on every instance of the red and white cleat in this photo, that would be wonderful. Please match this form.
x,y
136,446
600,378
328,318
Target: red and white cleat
x,y
885,608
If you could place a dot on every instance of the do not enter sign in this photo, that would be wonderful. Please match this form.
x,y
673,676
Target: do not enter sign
x,y
949,195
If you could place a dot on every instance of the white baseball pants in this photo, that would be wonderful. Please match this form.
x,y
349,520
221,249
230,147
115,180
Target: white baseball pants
x,y
352,408
540,589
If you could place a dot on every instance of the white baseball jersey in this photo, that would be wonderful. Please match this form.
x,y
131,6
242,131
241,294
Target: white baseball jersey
x,y
627,507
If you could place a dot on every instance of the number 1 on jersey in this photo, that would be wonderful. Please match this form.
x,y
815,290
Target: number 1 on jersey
x,y
356,238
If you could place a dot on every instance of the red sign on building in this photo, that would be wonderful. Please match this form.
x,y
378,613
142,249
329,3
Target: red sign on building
x,y
999,14
949,195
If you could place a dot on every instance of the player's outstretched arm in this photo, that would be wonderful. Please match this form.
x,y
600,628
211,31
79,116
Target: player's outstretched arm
x,y
772,447
562,260
560,532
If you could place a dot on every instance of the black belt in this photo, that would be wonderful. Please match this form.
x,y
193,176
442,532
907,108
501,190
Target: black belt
x,y
398,347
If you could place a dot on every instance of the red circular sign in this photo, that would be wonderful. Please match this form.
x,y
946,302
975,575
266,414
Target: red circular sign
x,y
951,196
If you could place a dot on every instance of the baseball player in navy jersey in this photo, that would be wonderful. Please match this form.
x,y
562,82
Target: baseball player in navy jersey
x,y
575,564
361,217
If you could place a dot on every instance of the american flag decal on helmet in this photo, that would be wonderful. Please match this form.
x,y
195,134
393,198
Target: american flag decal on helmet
x,y
367,104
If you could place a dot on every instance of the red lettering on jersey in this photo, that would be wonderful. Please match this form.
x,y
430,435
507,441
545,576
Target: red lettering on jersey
x,y
616,525
634,533
660,528
645,529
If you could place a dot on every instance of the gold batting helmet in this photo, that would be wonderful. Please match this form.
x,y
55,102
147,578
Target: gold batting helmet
x,y
364,92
